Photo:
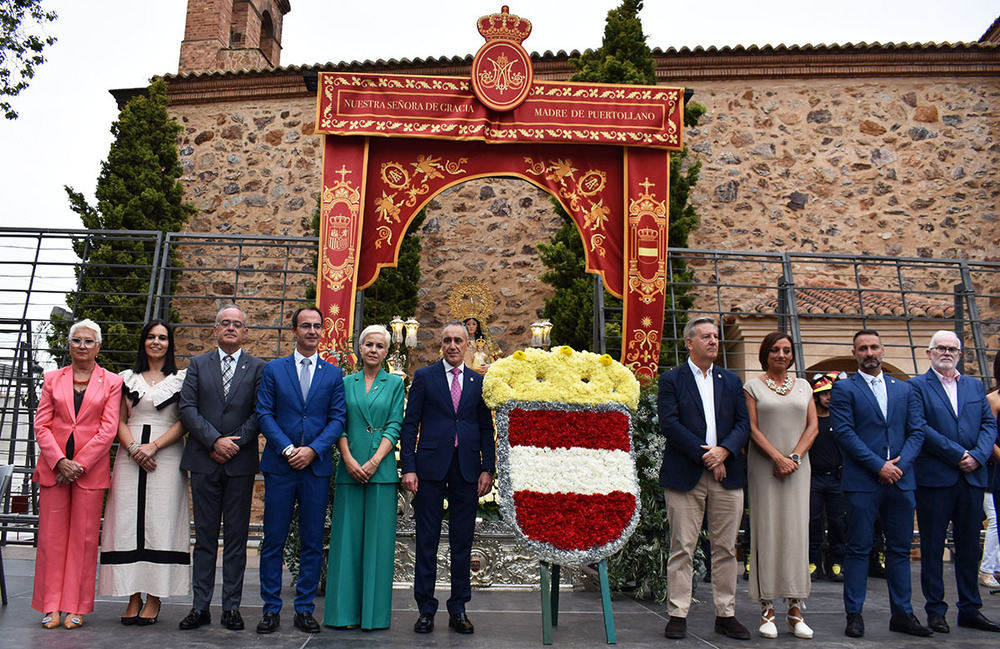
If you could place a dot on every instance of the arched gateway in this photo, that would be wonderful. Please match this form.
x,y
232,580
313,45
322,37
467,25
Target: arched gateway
x,y
392,142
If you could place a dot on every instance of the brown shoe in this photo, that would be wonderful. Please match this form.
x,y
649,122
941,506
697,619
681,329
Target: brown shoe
x,y
676,628
731,628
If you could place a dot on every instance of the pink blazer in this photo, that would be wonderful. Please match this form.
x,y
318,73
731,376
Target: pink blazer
x,y
93,429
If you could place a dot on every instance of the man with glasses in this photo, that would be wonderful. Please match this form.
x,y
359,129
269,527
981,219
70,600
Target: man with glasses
x,y
951,479
300,412
217,407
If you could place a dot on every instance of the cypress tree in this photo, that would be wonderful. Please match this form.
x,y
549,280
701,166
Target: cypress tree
x,y
138,189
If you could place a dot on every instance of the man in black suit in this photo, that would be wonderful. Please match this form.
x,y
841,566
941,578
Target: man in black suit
x,y
454,459
703,416
217,406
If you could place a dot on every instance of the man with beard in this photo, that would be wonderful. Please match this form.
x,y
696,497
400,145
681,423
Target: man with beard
x,y
878,422
951,481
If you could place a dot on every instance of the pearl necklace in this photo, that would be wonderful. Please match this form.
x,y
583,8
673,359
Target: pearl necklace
x,y
782,389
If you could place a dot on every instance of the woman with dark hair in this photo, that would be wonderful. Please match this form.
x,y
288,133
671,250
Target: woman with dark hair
x,y
782,429
74,426
146,541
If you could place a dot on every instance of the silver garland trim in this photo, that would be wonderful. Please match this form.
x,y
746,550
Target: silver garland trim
x,y
545,551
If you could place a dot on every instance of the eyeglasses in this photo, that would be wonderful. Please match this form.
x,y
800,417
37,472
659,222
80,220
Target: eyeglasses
x,y
318,326
225,324
86,343
941,349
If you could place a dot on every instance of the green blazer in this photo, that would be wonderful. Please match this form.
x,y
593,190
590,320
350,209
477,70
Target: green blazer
x,y
370,417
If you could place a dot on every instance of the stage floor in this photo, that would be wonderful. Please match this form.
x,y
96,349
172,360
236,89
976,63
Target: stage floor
x,y
502,619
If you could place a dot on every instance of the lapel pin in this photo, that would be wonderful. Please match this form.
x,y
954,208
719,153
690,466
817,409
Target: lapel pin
x,y
243,367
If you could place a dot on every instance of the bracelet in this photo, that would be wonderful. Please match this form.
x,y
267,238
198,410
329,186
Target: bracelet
x,y
132,447
156,445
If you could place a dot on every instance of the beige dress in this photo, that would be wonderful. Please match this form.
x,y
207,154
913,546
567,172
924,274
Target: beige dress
x,y
779,507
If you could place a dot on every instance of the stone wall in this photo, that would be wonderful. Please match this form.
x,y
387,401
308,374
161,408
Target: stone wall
x,y
895,166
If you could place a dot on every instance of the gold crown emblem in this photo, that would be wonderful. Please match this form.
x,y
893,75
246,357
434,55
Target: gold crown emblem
x,y
648,234
505,26
340,221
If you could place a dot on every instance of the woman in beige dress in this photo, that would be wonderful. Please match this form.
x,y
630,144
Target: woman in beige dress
x,y
782,428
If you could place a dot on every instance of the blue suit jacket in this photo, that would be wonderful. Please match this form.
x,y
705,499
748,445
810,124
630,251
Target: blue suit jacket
x,y
430,413
949,436
866,437
682,421
284,418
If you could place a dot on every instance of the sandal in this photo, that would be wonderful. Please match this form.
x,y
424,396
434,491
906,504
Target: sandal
x,y
796,625
51,620
768,629
73,621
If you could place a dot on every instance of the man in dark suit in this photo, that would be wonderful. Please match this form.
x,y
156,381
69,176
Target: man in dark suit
x,y
951,480
454,459
300,412
703,416
878,423
217,407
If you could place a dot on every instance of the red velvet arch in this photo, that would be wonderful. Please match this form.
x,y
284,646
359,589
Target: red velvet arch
x,y
617,195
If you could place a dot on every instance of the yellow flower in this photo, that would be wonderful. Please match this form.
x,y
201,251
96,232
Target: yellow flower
x,y
562,375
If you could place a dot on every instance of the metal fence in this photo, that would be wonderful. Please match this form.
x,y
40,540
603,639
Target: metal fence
x,y
820,299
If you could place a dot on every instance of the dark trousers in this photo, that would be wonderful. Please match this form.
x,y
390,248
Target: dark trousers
x,y
281,493
216,497
428,506
936,507
895,507
827,512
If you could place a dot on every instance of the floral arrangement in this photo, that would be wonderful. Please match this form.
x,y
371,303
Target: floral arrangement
x,y
560,375
567,477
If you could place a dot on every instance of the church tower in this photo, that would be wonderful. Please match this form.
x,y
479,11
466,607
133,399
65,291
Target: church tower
x,y
224,35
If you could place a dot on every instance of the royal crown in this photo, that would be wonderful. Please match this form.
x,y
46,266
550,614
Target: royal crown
x,y
505,26
648,234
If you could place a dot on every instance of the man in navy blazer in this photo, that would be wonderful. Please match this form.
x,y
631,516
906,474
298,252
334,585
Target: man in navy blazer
x,y
951,481
446,451
878,422
300,412
703,416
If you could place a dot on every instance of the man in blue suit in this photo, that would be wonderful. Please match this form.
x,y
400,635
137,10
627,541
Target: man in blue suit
x,y
951,481
878,422
703,416
300,412
446,451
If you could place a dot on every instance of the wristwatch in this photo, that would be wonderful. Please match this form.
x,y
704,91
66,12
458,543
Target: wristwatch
x,y
795,458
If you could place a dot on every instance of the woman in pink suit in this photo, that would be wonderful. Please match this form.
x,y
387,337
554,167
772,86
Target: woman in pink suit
x,y
76,421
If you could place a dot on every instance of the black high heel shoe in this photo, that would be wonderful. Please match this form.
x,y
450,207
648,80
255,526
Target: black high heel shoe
x,y
133,619
149,621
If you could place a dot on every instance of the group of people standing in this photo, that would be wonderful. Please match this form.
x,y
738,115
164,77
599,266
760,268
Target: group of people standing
x,y
303,406
899,446
885,449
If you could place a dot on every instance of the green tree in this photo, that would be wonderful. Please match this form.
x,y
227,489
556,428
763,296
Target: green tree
x,y
624,58
20,48
137,189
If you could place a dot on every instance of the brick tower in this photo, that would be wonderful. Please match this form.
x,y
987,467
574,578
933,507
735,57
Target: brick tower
x,y
232,35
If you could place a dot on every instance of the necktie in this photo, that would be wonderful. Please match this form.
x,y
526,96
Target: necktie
x,y
456,387
304,377
878,387
227,374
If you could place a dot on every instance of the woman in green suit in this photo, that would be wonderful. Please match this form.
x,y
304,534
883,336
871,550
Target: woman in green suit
x,y
363,530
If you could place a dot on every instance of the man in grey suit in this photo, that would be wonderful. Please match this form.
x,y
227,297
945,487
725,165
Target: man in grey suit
x,y
218,408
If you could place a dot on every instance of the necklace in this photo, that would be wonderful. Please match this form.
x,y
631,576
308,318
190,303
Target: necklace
x,y
782,389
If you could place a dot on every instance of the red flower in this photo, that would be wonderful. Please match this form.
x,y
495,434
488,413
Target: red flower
x,y
574,521
558,429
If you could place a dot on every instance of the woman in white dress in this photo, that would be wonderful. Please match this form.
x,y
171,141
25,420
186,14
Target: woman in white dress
x,y
145,547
